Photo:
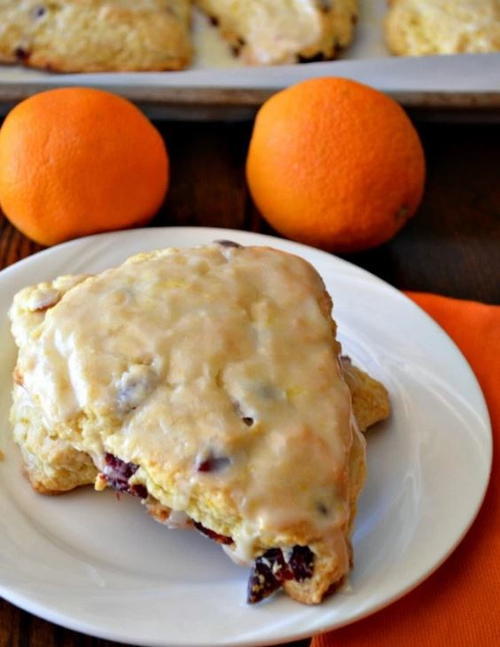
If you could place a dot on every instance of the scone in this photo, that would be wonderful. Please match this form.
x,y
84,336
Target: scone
x,y
96,35
425,27
284,31
207,382
369,398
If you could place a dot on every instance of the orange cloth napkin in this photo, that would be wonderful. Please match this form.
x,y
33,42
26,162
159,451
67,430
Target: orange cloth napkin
x,y
459,605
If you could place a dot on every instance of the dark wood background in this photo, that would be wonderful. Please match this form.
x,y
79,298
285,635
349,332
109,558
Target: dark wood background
x,y
451,247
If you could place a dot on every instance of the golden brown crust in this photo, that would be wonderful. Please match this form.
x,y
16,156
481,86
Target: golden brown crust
x,y
426,27
158,511
96,35
326,579
370,400
56,468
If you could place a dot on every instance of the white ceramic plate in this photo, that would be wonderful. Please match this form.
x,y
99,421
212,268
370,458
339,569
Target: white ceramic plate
x,y
102,566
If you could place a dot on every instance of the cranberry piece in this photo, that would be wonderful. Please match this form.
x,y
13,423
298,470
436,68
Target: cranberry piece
x,y
275,559
213,464
220,539
271,570
248,421
138,490
21,54
302,563
118,473
268,574
261,583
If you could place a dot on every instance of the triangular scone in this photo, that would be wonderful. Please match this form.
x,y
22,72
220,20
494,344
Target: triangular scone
x,y
429,27
284,31
96,35
206,382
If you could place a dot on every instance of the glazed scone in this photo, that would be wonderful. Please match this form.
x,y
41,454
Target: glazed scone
x,y
370,400
426,27
54,467
265,32
51,463
206,382
96,35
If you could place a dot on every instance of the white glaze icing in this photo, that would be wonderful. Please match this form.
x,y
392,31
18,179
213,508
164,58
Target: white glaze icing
x,y
169,352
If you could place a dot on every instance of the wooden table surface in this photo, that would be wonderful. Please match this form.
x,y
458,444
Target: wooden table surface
x,y
451,247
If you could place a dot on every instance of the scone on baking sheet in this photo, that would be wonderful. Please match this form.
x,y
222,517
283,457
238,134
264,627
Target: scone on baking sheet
x,y
96,35
426,27
284,31
207,383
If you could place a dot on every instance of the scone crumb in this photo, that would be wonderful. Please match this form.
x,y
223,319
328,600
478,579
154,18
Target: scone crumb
x,y
101,482
2,455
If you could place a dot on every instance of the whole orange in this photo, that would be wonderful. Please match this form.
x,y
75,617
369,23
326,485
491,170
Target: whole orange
x,y
77,161
335,164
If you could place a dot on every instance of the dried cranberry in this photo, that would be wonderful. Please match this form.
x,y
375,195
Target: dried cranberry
x,y
275,559
118,473
21,53
220,539
138,490
271,570
302,563
268,574
213,464
261,583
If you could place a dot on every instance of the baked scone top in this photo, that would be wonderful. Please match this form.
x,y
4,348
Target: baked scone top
x,y
425,27
96,35
267,32
215,370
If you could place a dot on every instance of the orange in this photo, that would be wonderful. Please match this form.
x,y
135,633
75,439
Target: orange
x,y
335,164
76,161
